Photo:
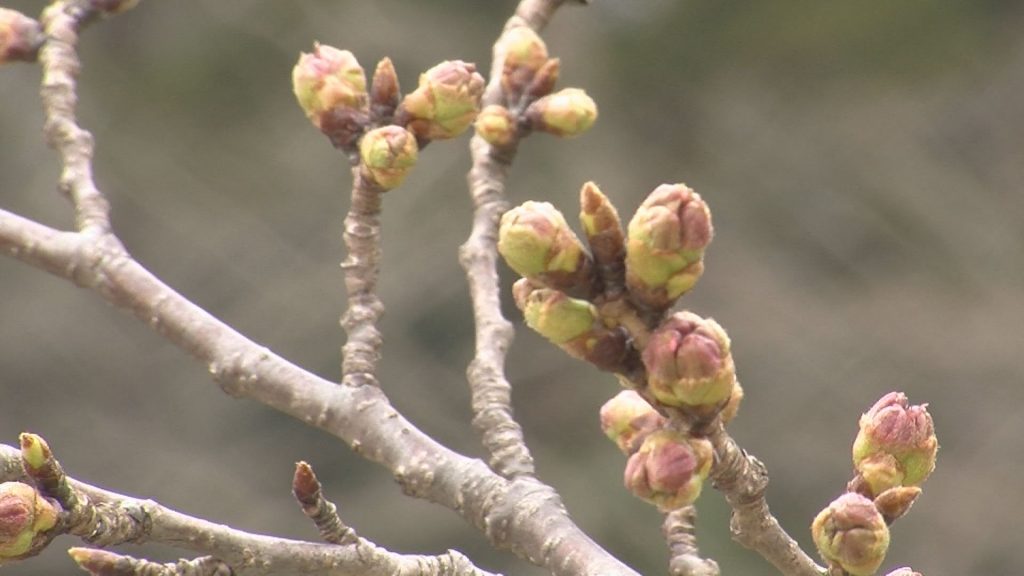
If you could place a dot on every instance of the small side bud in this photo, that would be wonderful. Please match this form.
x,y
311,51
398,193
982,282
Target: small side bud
x,y
665,249
20,37
497,126
524,54
24,516
669,469
604,234
689,364
574,325
627,418
851,533
895,502
330,87
445,103
388,154
384,93
566,113
544,81
896,444
536,241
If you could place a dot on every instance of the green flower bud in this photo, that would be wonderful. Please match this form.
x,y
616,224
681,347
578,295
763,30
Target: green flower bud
x,y
689,364
851,533
574,325
603,229
524,54
669,469
496,125
388,154
895,502
330,86
896,444
566,113
627,418
20,37
536,242
24,515
665,248
445,103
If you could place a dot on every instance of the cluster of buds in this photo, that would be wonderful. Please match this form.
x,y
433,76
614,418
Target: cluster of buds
x,y
25,516
528,78
20,37
669,469
377,126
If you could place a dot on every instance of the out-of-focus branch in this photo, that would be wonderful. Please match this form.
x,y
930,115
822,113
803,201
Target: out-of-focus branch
x,y
245,553
679,532
491,391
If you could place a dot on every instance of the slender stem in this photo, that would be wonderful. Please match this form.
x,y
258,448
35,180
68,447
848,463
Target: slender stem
x,y
361,351
491,392
680,534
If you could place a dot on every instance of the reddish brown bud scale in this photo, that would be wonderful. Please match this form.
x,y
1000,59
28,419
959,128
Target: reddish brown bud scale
x,y
523,54
25,517
895,502
384,93
603,230
445,103
627,419
544,81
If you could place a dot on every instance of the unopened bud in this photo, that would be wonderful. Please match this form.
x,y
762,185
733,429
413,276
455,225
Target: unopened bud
x,y
20,37
666,241
24,515
896,444
496,125
330,86
895,502
524,54
669,469
384,92
536,242
388,154
545,79
445,103
627,418
566,113
603,229
851,532
689,363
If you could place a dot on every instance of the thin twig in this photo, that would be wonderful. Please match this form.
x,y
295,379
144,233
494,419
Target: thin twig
x,y
491,391
680,535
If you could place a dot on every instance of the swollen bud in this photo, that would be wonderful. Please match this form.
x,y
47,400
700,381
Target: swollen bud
x,y
20,37
445,103
666,241
852,533
387,155
496,125
24,515
330,86
524,54
896,444
669,469
536,242
627,418
689,364
566,113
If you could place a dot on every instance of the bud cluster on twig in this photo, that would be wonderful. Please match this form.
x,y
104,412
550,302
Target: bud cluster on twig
x,y
376,126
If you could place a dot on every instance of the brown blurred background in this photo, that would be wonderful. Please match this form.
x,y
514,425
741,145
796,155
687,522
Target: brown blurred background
x,y
864,163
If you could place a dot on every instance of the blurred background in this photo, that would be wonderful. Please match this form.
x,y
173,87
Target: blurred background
x,y
863,161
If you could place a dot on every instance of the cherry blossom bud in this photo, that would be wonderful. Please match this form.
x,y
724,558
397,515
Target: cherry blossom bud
x,y
524,54
669,469
330,86
566,113
496,125
445,103
24,515
689,364
388,154
851,532
603,229
536,242
895,502
665,248
384,92
627,418
20,37
896,444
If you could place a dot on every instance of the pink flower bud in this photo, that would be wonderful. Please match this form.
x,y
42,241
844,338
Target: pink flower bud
x,y
24,514
627,418
851,532
896,444
689,364
669,469
20,37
